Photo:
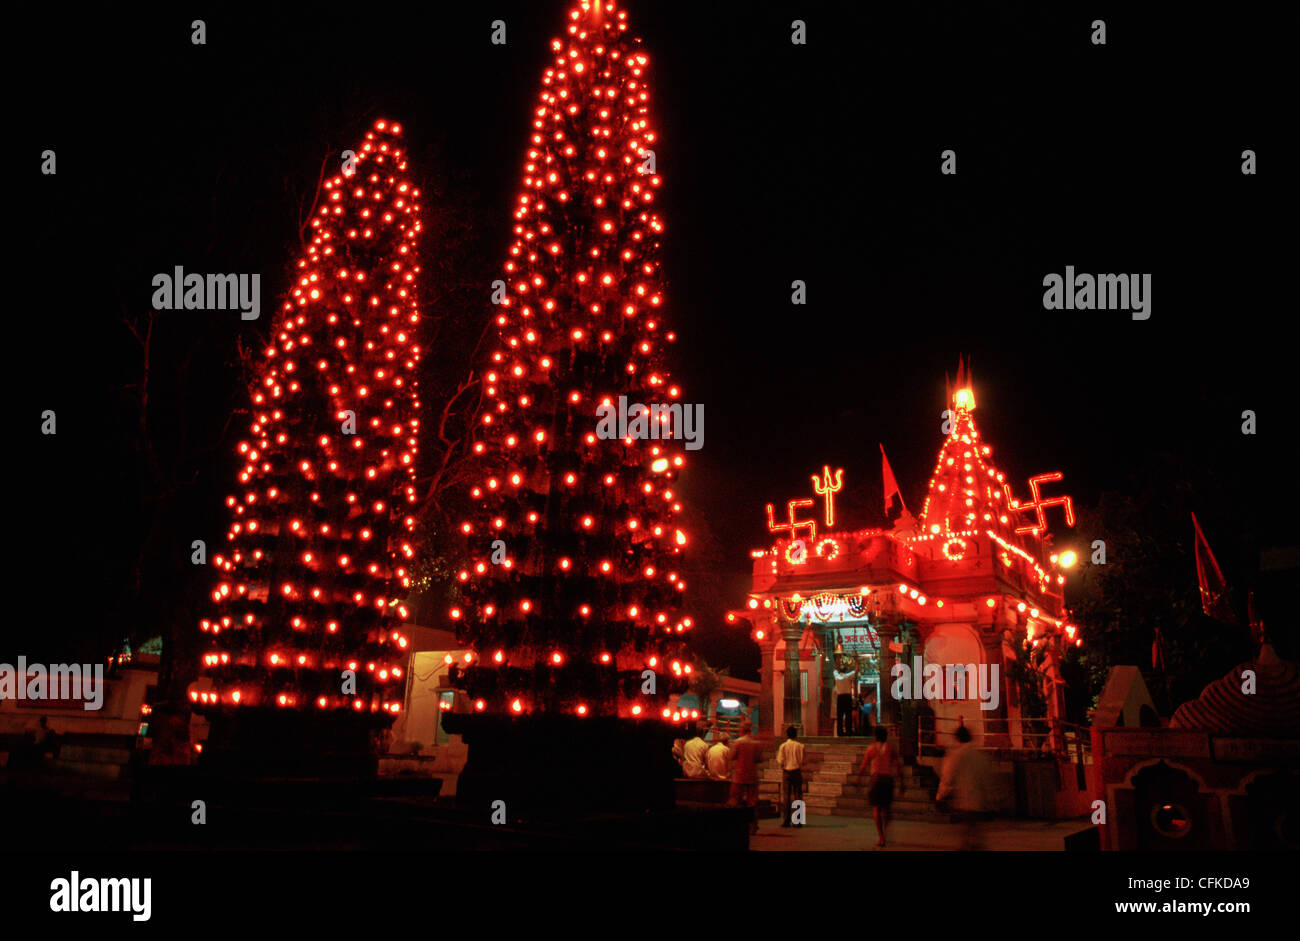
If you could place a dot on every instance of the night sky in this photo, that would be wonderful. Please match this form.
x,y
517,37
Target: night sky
x,y
781,162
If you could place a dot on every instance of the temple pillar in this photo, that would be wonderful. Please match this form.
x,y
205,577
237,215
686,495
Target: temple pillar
x,y
767,654
792,633
826,692
997,727
888,706
909,709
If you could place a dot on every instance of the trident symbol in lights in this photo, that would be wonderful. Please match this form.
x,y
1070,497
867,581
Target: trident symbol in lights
x,y
824,486
1038,504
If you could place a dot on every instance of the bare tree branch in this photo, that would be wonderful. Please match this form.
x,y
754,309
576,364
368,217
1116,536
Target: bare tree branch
x,y
305,221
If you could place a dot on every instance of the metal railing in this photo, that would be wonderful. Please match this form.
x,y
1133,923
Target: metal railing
x,y
729,725
1063,740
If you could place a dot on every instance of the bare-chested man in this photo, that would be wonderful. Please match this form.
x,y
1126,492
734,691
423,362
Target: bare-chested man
x,y
884,765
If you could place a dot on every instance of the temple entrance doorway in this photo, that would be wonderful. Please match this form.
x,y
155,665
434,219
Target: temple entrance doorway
x,y
855,674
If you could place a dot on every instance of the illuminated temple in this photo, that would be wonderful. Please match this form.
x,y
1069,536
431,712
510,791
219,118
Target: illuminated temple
x,y
972,582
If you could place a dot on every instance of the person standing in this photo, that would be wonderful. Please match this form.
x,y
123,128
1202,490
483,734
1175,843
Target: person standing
x,y
867,711
43,738
844,705
885,766
744,773
962,784
39,742
790,759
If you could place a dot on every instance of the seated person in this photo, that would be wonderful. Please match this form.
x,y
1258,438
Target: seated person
x,y
694,757
719,759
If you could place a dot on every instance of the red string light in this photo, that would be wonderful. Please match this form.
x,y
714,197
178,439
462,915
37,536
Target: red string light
x,y
591,524
317,541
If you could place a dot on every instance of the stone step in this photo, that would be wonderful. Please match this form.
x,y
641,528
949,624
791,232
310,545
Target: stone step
x,y
862,741
812,805
839,767
774,774
823,752
837,781
835,765
95,754
810,785
818,789
842,775
812,760
842,754
823,787
860,790
910,778
90,769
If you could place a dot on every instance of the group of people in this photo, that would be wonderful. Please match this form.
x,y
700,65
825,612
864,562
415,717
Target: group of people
x,y
724,760
737,762
699,759
962,781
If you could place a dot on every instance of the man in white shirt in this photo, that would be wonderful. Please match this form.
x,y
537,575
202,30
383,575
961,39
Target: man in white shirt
x,y
789,757
718,758
694,757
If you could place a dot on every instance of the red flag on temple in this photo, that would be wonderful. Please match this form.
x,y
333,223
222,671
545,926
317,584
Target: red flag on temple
x,y
1214,588
1158,652
1257,632
891,485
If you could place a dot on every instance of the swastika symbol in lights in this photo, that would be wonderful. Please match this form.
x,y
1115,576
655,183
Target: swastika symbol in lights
x,y
794,525
1038,504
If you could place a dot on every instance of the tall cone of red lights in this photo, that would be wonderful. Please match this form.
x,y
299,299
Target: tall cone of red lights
x,y
571,594
307,629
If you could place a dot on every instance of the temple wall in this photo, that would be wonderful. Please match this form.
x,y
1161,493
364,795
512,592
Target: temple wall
x,y
956,644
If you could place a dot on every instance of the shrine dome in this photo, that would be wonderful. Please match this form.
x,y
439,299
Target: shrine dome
x,y
1271,710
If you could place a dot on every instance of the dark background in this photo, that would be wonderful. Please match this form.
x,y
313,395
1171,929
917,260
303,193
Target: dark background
x,y
817,162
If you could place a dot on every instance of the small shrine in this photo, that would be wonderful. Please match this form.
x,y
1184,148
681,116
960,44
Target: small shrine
x,y
943,615
1222,774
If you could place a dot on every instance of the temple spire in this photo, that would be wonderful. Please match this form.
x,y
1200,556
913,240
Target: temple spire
x,y
963,396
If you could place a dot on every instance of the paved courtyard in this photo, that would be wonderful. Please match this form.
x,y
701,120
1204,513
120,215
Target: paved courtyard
x,y
859,833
